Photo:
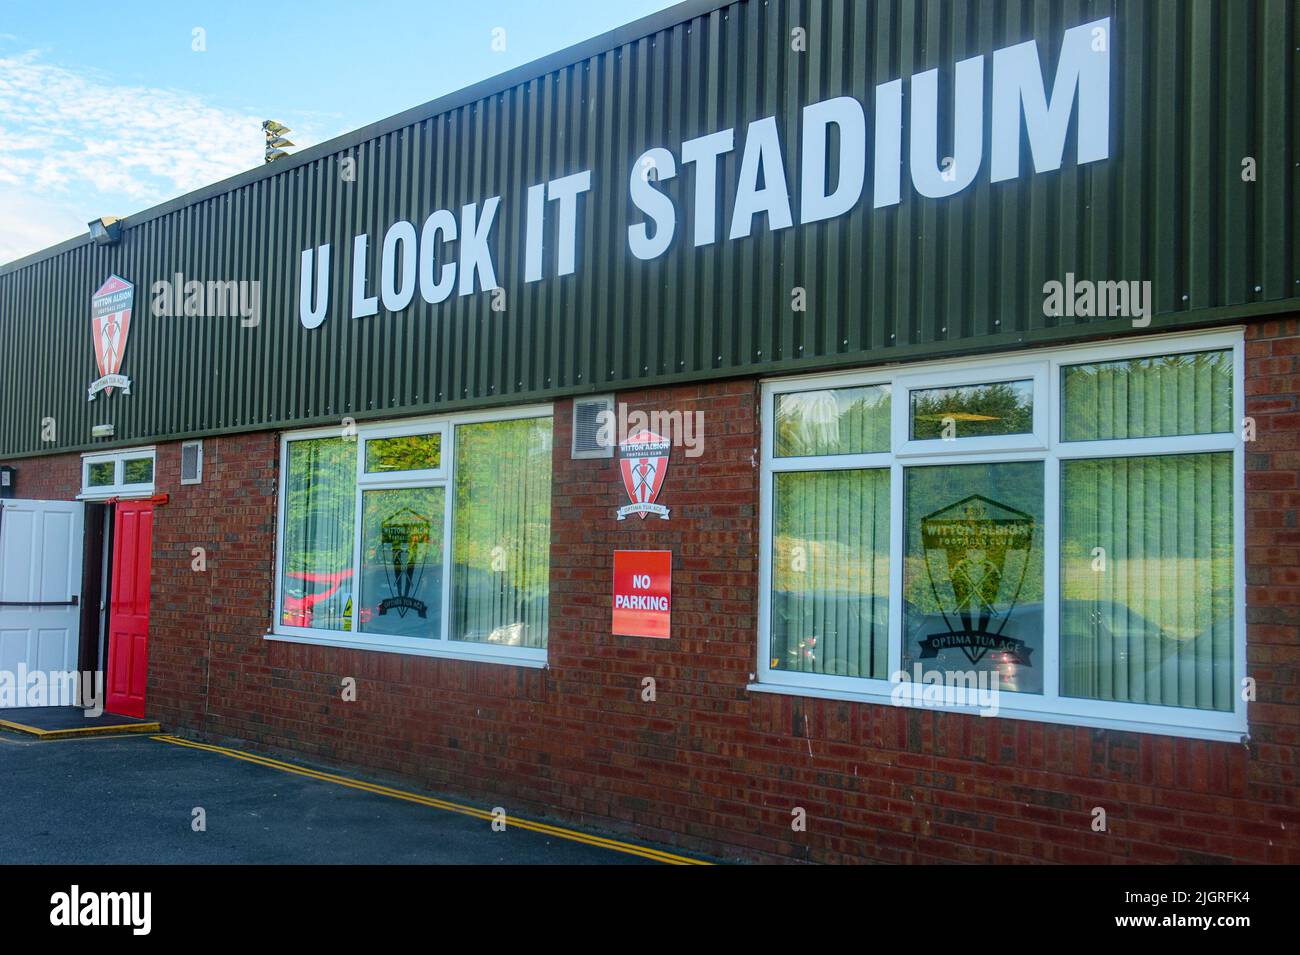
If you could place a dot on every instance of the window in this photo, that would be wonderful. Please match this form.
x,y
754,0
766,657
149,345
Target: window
x,y
1148,397
406,452
973,571
501,544
830,572
107,474
973,411
1148,619
832,421
318,520
1066,529
101,474
428,538
402,531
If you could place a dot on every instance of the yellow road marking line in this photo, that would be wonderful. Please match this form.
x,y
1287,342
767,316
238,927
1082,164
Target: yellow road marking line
x,y
119,728
20,741
540,827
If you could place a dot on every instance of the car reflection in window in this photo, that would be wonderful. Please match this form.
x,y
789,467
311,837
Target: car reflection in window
x,y
310,598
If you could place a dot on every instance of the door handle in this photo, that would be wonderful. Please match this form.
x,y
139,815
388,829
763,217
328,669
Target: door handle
x,y
75,601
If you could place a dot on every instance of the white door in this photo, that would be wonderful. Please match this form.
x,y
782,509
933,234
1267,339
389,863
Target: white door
x,y
40,584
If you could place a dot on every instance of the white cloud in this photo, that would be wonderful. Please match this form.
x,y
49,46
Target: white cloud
x,y
76,140
30,223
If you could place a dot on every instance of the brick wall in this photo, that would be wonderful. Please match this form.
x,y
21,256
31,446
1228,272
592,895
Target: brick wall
x,y
1273,566
53,478
213,561
709,765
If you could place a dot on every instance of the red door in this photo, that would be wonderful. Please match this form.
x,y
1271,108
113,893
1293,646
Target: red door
x,y
128,628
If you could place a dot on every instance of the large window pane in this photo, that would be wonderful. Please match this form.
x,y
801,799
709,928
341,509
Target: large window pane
x,y
973,411
320,510
502,532
973,572
830,573
1147,397
1146,580
833,421
401,561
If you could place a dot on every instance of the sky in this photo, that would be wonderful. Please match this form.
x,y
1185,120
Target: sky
x,y
109,109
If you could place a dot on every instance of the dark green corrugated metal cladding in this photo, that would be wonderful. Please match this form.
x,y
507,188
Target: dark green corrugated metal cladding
x,y
1196,88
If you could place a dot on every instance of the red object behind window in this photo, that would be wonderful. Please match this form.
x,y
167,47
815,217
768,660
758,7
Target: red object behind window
x,y
297,609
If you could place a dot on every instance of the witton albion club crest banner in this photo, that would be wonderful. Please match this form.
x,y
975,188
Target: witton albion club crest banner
x,y
404,544
643,462
976,558
110,323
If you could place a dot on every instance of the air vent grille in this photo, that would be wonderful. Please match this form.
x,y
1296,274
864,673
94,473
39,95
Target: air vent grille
x,y
588,416
192,462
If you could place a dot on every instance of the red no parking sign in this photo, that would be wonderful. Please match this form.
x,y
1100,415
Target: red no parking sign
x,y
643,584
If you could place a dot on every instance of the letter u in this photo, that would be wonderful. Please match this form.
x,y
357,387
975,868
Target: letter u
x,y
968,132
309,316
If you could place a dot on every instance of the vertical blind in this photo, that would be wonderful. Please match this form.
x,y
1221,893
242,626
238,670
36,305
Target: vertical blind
x,y
832,421
320,513
1146,580
1147,397
502,532
830,572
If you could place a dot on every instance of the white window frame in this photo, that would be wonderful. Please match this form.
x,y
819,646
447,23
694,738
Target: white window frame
x,y
118,488
1046,365
441,644
905,384
403,478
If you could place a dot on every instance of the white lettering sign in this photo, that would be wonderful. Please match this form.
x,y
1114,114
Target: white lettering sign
x,y
449,254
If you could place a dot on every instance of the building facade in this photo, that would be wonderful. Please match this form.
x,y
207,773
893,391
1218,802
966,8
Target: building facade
x,y
802,431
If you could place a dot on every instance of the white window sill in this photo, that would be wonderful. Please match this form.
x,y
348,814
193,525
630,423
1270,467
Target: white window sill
x,y
535,661
1009,712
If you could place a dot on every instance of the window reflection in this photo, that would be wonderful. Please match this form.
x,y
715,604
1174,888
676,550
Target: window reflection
x,y
973,571
973,411
832,421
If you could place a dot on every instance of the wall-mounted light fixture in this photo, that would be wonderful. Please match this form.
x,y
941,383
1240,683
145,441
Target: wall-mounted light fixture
x,y
106,230
102,431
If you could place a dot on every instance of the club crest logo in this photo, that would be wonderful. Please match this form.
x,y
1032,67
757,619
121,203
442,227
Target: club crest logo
x,y
110,322
404,545
976,556
643,461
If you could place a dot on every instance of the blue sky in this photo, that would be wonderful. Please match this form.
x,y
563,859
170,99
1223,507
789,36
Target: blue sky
x,y
108,109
